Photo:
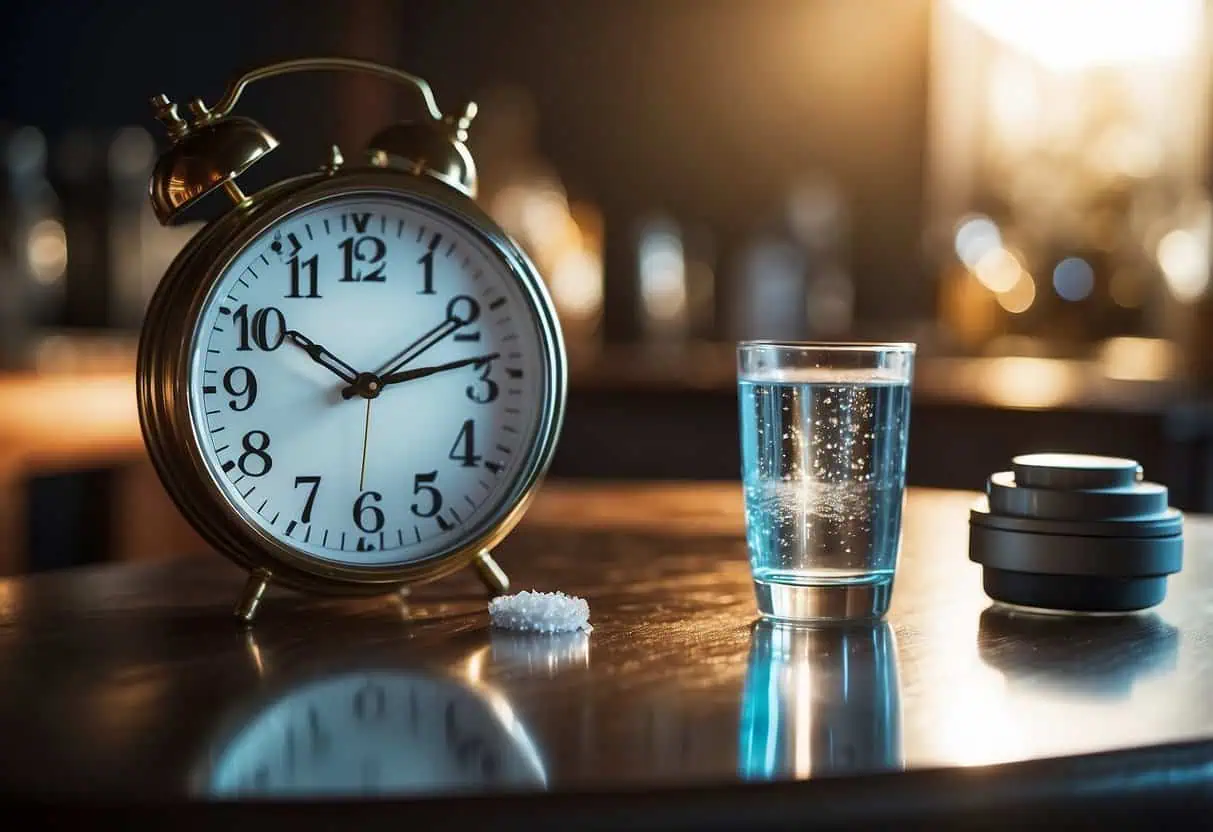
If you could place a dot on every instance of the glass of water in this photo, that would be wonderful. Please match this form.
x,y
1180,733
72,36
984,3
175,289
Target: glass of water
x,y
823,455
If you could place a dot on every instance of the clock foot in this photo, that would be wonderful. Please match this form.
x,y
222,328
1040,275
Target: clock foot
x,y
250,600
491,574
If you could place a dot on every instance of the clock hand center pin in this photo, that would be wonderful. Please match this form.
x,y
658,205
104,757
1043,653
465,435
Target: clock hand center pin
x,y
369,385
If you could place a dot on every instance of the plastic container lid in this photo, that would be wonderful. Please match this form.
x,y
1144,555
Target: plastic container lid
x,y
1074,471
1008,497
1075,532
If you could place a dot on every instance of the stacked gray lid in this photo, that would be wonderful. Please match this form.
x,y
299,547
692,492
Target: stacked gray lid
x,y
1075,532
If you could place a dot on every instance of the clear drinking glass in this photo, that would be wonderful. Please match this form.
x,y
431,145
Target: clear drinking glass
x,y
823,455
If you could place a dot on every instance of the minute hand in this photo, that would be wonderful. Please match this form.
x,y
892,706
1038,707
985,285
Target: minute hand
x,y
409,353
422,372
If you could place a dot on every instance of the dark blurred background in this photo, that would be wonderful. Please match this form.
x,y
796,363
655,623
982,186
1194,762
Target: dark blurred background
x,y
1021,190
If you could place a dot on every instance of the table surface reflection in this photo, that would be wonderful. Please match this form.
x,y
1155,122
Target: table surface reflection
x,y
133,679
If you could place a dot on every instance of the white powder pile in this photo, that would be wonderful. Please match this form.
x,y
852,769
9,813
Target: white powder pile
x,y
540,612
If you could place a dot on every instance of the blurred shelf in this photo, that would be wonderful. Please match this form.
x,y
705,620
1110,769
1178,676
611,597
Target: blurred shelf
x,y
996,382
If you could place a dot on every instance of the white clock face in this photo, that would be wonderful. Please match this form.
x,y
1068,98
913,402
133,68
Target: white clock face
x,y
367,381
375,733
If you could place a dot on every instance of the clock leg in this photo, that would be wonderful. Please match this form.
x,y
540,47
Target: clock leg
x,y
491,574
250,599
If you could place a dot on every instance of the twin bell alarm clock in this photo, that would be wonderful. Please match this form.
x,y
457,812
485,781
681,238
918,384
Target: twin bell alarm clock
x,y
353,379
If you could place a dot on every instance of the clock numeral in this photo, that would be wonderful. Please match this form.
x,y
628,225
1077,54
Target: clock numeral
x,y
486,390
361,221
465,310
427,265
247,388
368,251
316,740
266,328
370,702
362,510
314,482
309,265
469,749
423,484
464,449
255,444
318,737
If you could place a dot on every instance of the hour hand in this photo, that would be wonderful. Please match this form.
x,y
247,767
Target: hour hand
x,y
422,372
323,357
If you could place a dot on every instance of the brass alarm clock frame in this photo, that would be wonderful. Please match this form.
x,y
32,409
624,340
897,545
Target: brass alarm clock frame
x,y
164,369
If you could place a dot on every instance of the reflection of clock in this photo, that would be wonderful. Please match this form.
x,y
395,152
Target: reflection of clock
x,y
374,732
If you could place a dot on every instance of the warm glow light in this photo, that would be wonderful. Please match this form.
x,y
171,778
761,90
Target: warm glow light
x,y
1138,359
46,251
998,270
1079,34
544,215
576,282
474,668
975,237
1184,260
1020,296
1032,383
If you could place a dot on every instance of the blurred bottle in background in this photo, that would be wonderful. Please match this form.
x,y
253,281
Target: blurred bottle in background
x,y
526,196
791,280
116,250
676,281
33,249
78,165
817,217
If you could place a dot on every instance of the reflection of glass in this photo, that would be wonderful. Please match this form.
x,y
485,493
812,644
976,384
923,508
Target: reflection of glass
x,y
1067,167
373,731
1091,655
820,702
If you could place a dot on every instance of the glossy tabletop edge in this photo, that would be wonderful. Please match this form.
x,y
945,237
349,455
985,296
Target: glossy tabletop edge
x,y
1158,787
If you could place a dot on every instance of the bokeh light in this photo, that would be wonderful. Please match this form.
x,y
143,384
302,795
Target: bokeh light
x,y
1184,260
976,236
46,251
1073,279
1020,296
998,270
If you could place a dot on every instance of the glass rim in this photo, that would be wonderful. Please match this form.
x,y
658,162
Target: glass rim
x,y
832,346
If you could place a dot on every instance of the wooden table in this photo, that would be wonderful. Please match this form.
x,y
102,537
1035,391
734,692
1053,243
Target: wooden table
x,y
128,690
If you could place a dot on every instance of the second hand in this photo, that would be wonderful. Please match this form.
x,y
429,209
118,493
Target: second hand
x,y
366,433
